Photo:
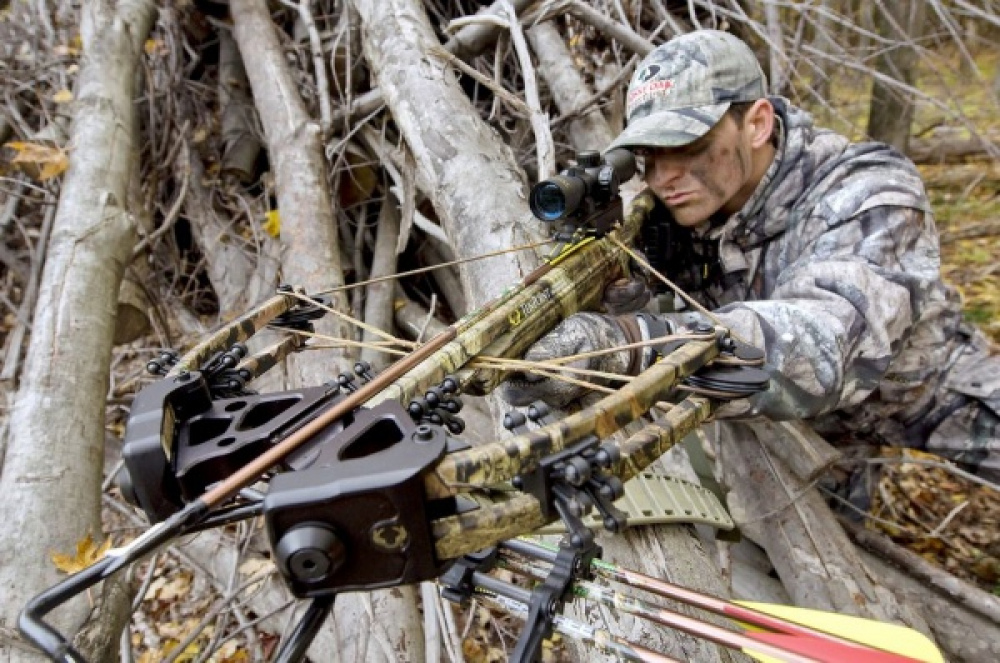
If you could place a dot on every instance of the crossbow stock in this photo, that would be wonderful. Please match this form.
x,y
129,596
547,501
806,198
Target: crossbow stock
x,y
369,484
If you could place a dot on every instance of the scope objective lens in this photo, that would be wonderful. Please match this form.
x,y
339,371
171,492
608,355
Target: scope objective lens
x,y
547,201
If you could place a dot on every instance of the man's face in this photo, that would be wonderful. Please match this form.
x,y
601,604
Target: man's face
x,y
697,180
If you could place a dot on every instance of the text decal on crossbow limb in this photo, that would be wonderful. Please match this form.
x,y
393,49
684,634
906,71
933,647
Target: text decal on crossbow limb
x,y
525,310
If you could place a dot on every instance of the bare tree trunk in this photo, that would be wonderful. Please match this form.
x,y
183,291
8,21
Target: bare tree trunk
x,y
311,253
589,131
891,112
379,296
778,70
470,41
52,470
789,519
824,43
311,258
965,636
455,151
236,280
240,145
610,27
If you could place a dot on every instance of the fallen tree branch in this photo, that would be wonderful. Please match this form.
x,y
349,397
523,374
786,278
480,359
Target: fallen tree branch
x,y
378,296
623,34
544,148
570,91
951,586
976,230
790,520
964,635
470,41
240,146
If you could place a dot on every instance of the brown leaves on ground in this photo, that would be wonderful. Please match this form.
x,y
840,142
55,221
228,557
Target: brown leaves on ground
x,y
945,518
37,161
171,617
492,634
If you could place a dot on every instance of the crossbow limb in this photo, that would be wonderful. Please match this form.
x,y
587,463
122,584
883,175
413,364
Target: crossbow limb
x,y
370,485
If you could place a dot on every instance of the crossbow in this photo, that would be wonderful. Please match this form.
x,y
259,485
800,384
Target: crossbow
x,y
370,485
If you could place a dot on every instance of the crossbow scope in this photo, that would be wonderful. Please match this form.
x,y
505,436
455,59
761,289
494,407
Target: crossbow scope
x,y
583,192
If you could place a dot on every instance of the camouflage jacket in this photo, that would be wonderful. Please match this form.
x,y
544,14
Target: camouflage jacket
x,y
832,267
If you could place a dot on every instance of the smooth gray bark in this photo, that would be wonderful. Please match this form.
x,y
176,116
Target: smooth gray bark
x,y
310,246
589,131
240,144
52,469
789,519
468,42
311,259
237,281
379,296
476,186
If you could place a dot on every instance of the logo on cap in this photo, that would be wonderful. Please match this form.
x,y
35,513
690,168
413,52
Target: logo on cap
x,y
647,92
648,73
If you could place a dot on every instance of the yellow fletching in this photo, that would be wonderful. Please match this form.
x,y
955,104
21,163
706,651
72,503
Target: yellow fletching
x,y
887,637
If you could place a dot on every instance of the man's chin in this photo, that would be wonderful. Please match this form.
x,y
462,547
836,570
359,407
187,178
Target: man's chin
x,y
688,217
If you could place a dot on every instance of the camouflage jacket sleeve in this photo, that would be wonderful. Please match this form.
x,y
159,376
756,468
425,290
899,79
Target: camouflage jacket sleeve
x,y
840,310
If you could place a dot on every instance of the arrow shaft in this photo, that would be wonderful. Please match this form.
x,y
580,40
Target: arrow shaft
x,y
723,607
588,635
799,640
663,616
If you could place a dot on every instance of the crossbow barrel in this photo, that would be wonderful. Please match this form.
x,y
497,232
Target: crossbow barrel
x,y
507,326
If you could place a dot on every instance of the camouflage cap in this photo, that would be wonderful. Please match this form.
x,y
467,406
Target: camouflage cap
x,y
685,86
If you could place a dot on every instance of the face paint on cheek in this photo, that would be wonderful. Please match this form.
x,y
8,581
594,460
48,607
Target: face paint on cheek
x,y
703,173
743,160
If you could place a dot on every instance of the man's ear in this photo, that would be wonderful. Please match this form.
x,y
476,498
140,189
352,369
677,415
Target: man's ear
x,y
760,122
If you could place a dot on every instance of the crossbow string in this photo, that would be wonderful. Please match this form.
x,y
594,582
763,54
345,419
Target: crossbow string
x,y
370,484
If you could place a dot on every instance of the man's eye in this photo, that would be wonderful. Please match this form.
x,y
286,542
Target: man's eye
x,y
696,148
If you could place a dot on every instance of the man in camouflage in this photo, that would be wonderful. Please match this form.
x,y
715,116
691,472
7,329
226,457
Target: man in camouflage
x,y
821,252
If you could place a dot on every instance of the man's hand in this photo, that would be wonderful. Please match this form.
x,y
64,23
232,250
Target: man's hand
x,y
577,334
580,334
625,296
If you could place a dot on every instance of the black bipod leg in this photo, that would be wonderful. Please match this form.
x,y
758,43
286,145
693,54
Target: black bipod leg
x,y
293,649
469,575
571,563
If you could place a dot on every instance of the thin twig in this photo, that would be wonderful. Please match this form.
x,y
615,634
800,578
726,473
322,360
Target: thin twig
x,y
173,213
319,65
544,147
